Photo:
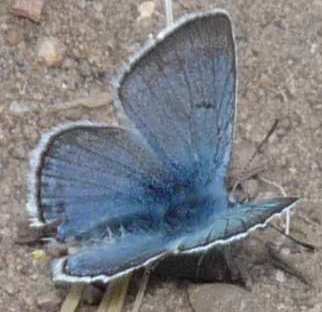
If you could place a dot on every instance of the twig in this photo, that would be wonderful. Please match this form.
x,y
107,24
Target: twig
x,y
114,297
169,12
287,222
144,283
73,298
93,101
276,185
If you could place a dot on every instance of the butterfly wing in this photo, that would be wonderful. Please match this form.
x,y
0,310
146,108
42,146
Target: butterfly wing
x,y
106,260
100,184
236,222
90,180
180,94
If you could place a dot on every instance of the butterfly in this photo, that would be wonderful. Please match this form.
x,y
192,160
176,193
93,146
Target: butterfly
x,y
154,187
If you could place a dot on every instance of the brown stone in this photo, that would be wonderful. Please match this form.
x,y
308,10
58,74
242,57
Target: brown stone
x,y
31,9
49,302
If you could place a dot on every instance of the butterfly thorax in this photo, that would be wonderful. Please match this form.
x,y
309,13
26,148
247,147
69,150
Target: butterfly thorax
x,y
193,205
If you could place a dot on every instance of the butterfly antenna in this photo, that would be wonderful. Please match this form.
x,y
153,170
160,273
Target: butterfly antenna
x,y
168,12
260,146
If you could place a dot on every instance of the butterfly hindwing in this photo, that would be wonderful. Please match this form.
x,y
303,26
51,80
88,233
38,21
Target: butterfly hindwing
x,y
111,258
235,222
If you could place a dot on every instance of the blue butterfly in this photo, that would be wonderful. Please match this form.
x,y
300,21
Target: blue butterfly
x,y
128,196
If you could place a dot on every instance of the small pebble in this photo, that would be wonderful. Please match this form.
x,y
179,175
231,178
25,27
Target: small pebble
x,y
285,251
14,37
31,9
20,107
51,52
39,255
146,9
49,302
284,127
280,276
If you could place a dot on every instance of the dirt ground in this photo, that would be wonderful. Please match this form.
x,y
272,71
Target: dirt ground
x,y
280,77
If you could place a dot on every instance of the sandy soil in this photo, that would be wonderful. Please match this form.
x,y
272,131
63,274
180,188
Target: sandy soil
x,y
279,62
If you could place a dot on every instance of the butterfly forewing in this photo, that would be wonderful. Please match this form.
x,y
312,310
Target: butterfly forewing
x,y
181,96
